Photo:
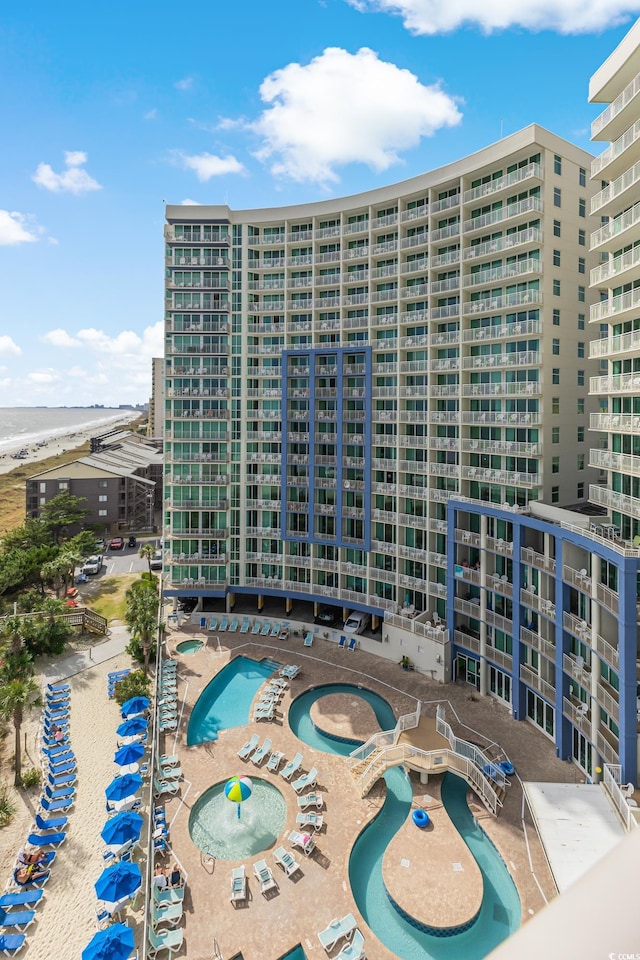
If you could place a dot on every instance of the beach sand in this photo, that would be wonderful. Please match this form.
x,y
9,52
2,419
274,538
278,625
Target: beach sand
x,y
65,920
76,437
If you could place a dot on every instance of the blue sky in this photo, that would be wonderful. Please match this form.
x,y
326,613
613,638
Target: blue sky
x,y
110,112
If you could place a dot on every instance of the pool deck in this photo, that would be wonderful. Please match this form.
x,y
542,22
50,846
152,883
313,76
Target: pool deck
x,y
444,887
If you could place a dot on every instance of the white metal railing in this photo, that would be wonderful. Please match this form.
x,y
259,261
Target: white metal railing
x,y
529,235
613,151
615,305
616,226
614,266
615,107
502,183
611,779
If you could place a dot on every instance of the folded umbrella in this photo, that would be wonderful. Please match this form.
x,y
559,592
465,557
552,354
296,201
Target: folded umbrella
x,y
130,728
114,943
122,787
118,882
126,827
134,706
130,753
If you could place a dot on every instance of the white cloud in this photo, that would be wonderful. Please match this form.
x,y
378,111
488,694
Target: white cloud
x,y
151,114
346,108
72,180
8,346
207,165
564,16
190,203
43,377
16,228
60,338
185,84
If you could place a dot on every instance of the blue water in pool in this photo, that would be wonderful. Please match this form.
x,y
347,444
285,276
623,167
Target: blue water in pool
x,y
500,912
226,701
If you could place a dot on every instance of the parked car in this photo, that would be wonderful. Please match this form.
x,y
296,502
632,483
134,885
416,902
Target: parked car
x,y
92,565
156,560
101,545
132,542
327,616
117,543
356,622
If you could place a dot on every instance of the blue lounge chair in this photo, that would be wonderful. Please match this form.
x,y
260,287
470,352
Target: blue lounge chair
x,y
342,642
353,643
20,899
48,840
64,780
170,940
248,748
257,626
30,881
306,780
213,623
292,767
20,919
11,943
224,623
233,626
63,764
61,687
50,806
308,639
266,629
245,625
275,629
203,623
262,751
54,823
60,794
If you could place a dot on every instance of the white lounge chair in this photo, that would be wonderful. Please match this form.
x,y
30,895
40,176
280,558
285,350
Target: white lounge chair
x,y
264,748
292,767
255,629
353,950
264,875
290,672
275,760
238,885
249,747
286,860
306,780
264,712
213,623
266,629
224,623
233,626
310,819
170,940
245,625
304,841
275,629
336,930
311,800
308,639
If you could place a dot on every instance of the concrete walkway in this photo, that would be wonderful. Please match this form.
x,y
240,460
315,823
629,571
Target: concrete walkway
x,y
113,646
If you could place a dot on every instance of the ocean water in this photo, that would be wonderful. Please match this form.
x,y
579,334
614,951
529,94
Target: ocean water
x,y
26,426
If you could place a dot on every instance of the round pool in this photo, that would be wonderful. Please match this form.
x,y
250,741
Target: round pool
x,y
189,646
217,830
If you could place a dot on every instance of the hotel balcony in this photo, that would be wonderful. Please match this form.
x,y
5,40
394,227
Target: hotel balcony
x,y
619,194
620,462
415,213
523,358
578,714
507,301
535,682
614,422
499,274
532,170
199,237
538,643
619,156
442,286
190,261
519,209
615,119
626,303
445,259
489,417
538,560
445,233
615,346
615,383
615,268
621,231
506,477
614,501
531,387
502,331
528,236
502,448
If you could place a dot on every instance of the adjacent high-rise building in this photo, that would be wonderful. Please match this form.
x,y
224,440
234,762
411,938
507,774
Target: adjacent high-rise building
x,y
381,402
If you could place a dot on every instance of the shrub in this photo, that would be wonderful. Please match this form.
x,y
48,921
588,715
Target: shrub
x,y
135,650
135,684
7,806
30,778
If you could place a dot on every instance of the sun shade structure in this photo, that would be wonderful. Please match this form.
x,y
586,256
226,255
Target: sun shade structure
x,y
114,943
125,827
123,787
131,728
134,706
130,753
118,882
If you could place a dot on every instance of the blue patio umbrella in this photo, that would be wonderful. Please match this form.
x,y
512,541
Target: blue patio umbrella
x,y
134,706
131,728
125,827
122,787
118,882
114,943
130,753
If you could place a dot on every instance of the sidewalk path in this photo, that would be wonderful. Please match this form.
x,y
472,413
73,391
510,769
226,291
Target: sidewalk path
x,y
85,659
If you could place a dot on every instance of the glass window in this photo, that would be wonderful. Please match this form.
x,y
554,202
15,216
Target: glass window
x,y
581,461
580,491
556,228
580,434
556,317
555,494
581,294
555,465
582,237
582,207
582,267
581,378
555,434
555,375
581,349
580,405
581,321
556,288
555,405
582,177
556,258
555,346
557,197
557,164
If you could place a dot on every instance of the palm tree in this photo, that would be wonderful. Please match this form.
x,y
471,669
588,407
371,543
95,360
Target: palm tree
x,y
146,551
16,697
141,613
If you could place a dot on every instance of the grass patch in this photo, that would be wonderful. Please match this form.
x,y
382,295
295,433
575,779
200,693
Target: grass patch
x,y
108,597
13,485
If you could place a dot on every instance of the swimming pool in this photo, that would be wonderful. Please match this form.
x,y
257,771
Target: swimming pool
x,y
500,911
217,830
226,700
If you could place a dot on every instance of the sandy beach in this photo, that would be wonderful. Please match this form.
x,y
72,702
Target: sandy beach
x,y
75,437
65,920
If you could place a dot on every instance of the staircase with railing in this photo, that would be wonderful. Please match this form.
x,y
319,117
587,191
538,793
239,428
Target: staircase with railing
x,y
372,759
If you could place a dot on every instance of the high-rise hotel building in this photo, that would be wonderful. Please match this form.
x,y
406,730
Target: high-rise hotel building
x,y
382,402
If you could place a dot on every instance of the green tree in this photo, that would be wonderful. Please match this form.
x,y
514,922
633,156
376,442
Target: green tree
x,y
16,698
141,615
62,512
135,684
146,552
